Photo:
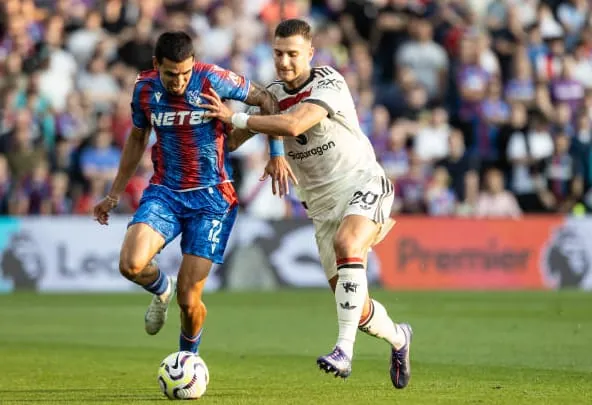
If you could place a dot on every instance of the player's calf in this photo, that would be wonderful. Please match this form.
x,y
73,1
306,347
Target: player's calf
x,y
378,323
192,320
350,294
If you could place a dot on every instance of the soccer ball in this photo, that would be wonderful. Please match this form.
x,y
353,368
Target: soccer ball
x,y
183,375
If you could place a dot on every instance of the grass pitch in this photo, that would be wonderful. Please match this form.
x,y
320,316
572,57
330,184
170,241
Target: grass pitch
x,y
469,348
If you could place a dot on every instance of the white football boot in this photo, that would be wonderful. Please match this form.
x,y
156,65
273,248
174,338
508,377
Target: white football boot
x,y
156,314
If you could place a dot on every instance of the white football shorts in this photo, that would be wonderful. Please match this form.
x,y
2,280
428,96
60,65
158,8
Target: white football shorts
x,y
372,199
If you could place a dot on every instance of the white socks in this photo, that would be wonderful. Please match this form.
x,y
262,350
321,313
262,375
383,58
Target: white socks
x,y
350,294
378,324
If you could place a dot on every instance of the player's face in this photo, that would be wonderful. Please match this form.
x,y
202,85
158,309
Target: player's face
x,y
292,58
175,76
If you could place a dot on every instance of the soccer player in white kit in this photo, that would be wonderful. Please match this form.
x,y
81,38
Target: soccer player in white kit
x,y
345,190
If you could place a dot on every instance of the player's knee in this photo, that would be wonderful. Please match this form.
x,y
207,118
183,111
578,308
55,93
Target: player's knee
x,y
130,267
189,308
345,245
190,303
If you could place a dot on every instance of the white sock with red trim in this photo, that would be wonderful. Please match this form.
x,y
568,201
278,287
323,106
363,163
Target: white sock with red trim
x,y
350,294
379,324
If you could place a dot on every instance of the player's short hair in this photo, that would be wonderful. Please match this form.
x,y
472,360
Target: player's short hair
x,y
176,46
294,26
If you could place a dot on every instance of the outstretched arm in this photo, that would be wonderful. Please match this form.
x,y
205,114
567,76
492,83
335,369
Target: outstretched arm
x,y
293,123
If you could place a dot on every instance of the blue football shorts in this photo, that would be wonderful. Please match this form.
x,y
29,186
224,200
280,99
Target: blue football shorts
x,y
204,217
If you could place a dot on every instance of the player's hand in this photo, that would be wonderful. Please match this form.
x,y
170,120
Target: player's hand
x,y
216,108
280,172
102,209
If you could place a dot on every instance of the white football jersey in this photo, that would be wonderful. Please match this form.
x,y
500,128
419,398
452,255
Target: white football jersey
x,y
335,151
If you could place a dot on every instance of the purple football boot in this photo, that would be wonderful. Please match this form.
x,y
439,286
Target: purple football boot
x,y
336,362
400,363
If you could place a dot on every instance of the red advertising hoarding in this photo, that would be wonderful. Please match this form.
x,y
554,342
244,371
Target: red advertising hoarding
x,y
465,254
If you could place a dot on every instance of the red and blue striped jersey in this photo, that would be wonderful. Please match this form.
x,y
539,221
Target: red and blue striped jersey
x,y
189,149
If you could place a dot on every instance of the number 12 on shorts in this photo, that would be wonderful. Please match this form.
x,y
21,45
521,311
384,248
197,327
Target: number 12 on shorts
x,y
214,235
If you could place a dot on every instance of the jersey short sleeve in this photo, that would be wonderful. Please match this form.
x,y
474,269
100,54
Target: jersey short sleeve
x,y
328,90
228,84
139,118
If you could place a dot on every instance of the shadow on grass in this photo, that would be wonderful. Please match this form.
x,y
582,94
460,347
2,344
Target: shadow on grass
x,y
89,395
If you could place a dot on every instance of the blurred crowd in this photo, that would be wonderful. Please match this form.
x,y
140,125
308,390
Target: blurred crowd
x,y
474,107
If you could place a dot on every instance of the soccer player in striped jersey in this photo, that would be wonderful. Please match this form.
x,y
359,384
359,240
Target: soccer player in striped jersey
x,y
191,191
346,191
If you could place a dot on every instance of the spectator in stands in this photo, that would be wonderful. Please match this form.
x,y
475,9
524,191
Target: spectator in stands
x,y
495,201
488,60
73,122
392,94
57,80
22,152
59,201
467,206
82,42
583,65
459,164
548,66
93,193
471,81
33,192
426,58
526,152
395,158
567,90
563,175
136,52
364,104
440,199
520,88
411,187
391,31
5,186
430,143
494,112
379,129
121,122
572,15
100,159
98,84
581,145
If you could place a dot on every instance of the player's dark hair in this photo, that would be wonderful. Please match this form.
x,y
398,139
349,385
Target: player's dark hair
x,y
176,46
294,26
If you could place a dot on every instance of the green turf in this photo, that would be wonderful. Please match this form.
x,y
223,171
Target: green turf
x,y
469,348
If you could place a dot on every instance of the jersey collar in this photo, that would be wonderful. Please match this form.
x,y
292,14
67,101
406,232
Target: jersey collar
x,y
303,85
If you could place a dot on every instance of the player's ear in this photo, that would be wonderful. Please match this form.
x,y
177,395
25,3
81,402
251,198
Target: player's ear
x,y
311,54
155,62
